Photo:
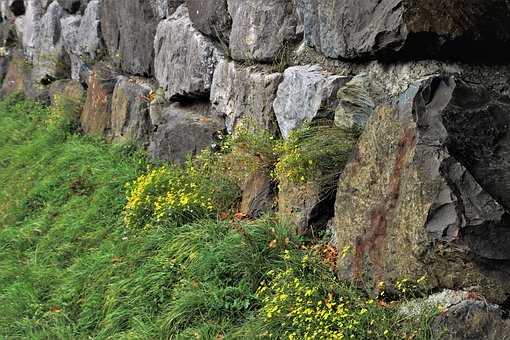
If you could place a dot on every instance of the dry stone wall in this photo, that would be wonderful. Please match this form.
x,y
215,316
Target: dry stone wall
x,y
427,191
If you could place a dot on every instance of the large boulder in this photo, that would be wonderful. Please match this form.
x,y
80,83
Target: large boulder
x,y
185,59
130,110
245,92
82,38
96,115
261,30
306,93
414,201
394,29
50,61
128,29
183,130
211,18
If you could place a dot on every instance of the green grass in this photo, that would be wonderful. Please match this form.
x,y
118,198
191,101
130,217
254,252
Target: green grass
x,y
71,269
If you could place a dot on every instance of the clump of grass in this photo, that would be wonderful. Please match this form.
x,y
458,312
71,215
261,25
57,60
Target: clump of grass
x,y
314,153
247,151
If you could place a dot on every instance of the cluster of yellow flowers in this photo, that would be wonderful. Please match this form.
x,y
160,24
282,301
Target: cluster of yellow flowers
x,y
305,310
292,166
164,193
408,288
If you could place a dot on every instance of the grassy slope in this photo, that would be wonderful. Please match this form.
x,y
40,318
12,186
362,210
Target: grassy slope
x,y
69,269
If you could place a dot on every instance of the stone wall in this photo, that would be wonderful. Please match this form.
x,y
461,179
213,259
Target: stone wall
x,y
428,189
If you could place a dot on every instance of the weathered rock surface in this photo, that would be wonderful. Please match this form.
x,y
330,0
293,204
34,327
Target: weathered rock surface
x,y
183,130
4,66
16,75
245,92
50,61
409,205
8,33
471,320
130,110
74,6
211,18
185,59
261,29
355,105
309,206
128,29
396,29
67,98
165,8
306,93
32,17
82,38
96,115
258,195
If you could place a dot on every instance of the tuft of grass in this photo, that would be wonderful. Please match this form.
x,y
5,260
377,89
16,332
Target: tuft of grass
x,y
314,153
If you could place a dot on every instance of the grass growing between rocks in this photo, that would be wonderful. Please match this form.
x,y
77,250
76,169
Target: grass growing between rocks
x,y
73,267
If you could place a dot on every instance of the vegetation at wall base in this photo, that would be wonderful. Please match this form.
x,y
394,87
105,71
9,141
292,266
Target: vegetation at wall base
x,y
72,268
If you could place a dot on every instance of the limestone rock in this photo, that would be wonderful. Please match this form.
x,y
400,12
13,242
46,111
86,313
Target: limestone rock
x,y
355,104
96,115
438,301
185,59
128,29
74,6
69,89
8,33
245,92
19,24
165,8
309,206
471,320
410,203
68,98
258,195
32,17
130,110
16,75
211,18
184,130
50,61
82,38
396,29
261,29
306,93
4,66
